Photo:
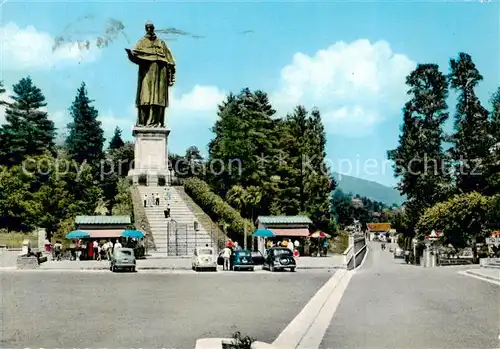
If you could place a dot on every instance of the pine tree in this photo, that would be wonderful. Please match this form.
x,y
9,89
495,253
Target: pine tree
x,y
495,116
117,141
27,130
471,140
420,162
85,136
2,91
493,164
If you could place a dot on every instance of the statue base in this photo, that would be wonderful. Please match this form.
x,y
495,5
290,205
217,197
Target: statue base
x,y
150,156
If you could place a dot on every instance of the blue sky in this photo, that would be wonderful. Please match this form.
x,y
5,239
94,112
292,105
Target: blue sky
x,y
347,58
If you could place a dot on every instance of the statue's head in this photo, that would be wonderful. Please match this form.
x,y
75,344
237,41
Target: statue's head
x,y
150,28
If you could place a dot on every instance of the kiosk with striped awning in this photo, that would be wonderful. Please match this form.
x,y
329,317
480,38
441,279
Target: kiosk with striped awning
x,y
103,227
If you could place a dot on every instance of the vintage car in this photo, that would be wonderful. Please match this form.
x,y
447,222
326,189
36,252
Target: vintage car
x,y
399,253
204,259
122,259
240,260
257,258
279,258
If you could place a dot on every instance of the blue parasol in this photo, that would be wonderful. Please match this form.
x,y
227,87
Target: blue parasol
x,y
133,234
263,233
77,234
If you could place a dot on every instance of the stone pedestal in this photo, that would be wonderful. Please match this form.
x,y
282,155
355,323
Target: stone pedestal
x,y
150,156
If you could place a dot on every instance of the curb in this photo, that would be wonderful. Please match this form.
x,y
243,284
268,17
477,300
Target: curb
x,y
482,275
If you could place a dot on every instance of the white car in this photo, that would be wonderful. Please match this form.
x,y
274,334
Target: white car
x,y
204,258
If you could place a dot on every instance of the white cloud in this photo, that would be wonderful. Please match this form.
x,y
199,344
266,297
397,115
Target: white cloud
x,y
199,99
28,48
355,85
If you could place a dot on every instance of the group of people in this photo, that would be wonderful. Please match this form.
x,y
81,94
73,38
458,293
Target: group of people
x,y
88,249
154,199
227,252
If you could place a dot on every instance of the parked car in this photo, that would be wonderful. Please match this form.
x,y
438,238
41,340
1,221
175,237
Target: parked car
x,y
257,258
279,258
240,260
399,253
122,259
204,258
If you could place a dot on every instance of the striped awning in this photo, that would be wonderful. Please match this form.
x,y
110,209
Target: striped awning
x,y
105,233
299,232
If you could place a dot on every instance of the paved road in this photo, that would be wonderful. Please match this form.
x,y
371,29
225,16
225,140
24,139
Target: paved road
x,y
103,310
389,304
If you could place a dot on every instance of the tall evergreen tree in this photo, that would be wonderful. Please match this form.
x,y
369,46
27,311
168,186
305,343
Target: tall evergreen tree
x,y
493,164
307,183
471,140
419,160
2,91
85,136
244,136
27,130
116,141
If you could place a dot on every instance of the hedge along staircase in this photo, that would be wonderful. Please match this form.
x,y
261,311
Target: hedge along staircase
x,y
176,236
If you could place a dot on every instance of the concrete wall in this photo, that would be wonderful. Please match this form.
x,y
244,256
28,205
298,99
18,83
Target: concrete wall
x,y
356,251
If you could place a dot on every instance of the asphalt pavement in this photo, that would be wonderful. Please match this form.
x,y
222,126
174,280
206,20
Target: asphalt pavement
x,y
389,304
148,310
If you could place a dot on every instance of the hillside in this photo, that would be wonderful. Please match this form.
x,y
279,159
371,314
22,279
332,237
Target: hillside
x,y
371,190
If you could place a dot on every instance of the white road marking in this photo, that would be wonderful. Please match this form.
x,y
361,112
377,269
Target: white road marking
x,y
309,326
480,278
316,332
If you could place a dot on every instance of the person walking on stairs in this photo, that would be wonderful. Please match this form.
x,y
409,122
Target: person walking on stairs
x,y
157,199
145,200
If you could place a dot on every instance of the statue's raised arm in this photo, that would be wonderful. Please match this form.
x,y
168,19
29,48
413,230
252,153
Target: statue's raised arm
x,y
156,74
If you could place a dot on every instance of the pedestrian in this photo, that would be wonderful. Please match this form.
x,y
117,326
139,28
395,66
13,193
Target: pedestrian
x,y
166,211
157,199
325,247
117,245
95,245
145,200
57,250
226,254
290,245
169,194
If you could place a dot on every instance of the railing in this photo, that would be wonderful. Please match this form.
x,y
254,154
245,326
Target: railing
x,y
216,233
354,254
181,240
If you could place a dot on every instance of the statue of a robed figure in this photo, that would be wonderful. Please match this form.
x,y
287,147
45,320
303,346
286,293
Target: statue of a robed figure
x,y
156,74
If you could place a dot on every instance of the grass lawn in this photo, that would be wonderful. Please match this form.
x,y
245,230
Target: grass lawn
x,y
13,240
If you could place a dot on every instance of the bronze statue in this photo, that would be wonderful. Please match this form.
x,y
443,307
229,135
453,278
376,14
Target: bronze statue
x,y
156,74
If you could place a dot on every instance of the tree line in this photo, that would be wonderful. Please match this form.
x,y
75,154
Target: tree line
x,y
45,184
451,181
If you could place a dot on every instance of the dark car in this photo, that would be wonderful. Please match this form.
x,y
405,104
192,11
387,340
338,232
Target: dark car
x,y
240,260
279,258
258,258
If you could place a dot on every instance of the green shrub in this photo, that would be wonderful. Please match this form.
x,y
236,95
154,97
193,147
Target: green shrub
x,y
219,210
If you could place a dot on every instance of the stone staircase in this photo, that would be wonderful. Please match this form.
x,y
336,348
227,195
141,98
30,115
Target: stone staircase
x,y
175,236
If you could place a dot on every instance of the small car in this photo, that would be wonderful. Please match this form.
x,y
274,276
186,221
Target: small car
x,y
122,259
204,258
279,258
257,258
240,260
399,253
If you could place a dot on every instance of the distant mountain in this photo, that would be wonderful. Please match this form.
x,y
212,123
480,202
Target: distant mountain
x,y
371,190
